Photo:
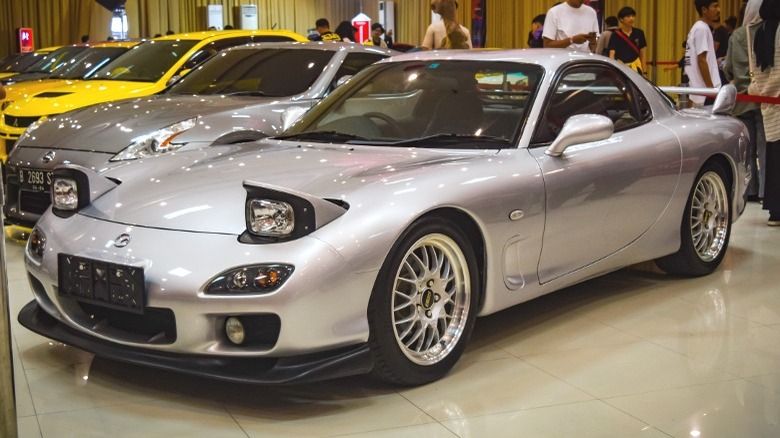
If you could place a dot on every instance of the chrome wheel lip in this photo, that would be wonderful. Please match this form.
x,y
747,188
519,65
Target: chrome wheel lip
x,y
431,297
709,216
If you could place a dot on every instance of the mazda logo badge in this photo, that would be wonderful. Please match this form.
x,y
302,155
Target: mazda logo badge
x,y
122,241
48,157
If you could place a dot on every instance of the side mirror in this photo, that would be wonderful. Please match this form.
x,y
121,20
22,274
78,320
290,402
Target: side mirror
x,y
725,100
582,128
172,80
292,115
342,80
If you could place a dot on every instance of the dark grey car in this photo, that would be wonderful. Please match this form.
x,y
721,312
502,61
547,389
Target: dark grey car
x,y
237,96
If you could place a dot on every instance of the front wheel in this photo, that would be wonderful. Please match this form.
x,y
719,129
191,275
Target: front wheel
x,y
706,225
424,303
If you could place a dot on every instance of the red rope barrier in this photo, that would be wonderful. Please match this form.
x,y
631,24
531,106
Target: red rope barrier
x,y
753,99
758,99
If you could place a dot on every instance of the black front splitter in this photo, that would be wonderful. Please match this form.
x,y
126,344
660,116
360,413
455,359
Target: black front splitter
x,y
346,361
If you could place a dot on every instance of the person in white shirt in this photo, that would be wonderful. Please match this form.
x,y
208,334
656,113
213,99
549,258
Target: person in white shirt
x,y
446,33
571,25
701,66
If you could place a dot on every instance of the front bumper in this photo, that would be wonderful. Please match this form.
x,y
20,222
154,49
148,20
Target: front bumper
x,y
341,362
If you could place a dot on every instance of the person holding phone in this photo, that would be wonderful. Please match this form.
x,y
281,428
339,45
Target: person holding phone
x,y
571,25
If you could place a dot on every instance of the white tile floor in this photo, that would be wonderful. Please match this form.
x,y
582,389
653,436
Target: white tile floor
x,y
634,353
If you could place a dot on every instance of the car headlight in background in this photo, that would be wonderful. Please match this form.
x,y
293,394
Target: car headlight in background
x,y
158,142
250,280
269,218
65,194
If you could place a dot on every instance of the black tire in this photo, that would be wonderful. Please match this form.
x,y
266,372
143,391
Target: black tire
x,y
417,333
706,225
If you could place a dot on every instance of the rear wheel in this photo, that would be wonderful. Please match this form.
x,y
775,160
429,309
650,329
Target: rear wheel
x,y
706,225
424,304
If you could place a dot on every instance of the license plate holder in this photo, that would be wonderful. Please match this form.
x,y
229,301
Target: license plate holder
x,y
34,180
103,283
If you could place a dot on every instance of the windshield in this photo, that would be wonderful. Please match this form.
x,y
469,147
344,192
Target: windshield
x,y
22,62
146,62
264,72
451,104
55,59
88,62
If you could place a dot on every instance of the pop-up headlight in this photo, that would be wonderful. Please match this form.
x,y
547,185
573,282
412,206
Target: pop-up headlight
x,y
65,194
73,187
158,142
270,218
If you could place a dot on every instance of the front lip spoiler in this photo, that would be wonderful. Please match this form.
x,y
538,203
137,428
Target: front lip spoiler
x,y
342,362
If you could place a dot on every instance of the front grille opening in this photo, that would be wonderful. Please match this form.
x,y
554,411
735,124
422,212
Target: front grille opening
x,y
20,122
34,202
156,325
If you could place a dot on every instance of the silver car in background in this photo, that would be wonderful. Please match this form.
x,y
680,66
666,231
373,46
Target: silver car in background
x,y
429,189
237,96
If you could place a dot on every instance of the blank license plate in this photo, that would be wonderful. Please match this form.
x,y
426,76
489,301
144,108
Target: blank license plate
x,y
106,284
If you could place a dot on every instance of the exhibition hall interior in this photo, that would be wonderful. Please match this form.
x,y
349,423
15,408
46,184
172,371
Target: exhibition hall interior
x,y
390,218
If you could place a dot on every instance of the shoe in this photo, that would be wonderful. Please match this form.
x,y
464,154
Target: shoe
x,y
774,220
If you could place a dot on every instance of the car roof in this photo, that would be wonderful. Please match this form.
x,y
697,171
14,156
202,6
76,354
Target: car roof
x,y
123,43
220,34
550,59
319,45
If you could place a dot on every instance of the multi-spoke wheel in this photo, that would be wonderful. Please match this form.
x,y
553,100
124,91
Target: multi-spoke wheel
x,y
706,225
423,304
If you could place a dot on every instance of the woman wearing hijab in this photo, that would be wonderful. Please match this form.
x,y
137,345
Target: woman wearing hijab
x,y
737,67
767,78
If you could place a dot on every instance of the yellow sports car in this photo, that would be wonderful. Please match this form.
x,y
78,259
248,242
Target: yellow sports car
x,y
146,69
82,66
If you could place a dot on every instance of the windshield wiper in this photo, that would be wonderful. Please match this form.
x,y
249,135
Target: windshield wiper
x,y
449,138
322,135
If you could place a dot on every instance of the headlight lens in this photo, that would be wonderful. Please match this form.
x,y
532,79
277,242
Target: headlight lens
x,y
36,244
269,218
157,142
250,279
65,194
6,104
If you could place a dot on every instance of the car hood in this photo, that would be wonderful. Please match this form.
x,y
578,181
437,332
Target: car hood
x,y
23,90
78,95
202,190
112,126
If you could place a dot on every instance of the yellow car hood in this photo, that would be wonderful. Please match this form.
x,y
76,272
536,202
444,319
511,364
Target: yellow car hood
x,y
23,90
80,94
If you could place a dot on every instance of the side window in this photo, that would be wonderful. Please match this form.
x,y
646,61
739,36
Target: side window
x,y
212,48
592,89
353,63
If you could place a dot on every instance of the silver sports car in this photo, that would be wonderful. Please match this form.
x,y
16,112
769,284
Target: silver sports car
x,y
429,189
236,96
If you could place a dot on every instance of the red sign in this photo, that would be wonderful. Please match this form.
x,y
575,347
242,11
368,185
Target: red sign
x,y
24,38
362,23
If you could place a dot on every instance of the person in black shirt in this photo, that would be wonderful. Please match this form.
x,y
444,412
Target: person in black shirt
x,y
628,43
323,29
535,40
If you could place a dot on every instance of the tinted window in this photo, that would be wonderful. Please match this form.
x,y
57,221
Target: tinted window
x,y
592,89
56,59
22,62
269,72
146,62
448,104
88,62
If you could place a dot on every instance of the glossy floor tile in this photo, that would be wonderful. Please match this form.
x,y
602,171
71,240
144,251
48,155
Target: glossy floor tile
x,y
633,353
